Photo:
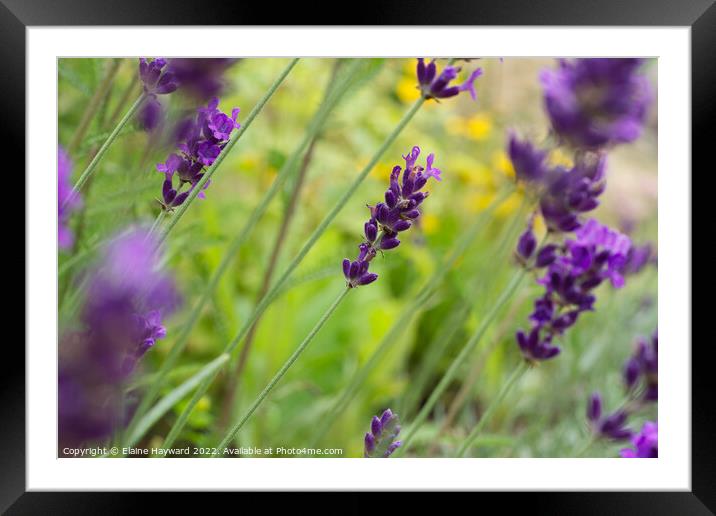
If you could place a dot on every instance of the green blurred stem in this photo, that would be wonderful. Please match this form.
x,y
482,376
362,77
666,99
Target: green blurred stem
x,y
93,106
105,147
225,152
158,221
281,372
271,294
404,319
288,168
168,401
506,388
461,358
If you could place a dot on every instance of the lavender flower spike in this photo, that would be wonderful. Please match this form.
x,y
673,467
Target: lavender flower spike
x,y
439,88
201,141
381,442
65,204
646,443
121,319
395,215
593,103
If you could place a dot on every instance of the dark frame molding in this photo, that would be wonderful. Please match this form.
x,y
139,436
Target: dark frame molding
x,y
17,15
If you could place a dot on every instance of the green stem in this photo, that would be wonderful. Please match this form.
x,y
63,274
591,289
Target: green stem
x,y
167,402
225,152
281,372
506,388
157,222
268,298
94,104
288,168
461,358
404,319
105,146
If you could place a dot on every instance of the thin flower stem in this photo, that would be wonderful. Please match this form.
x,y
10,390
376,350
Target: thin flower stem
x,y
268,298
506,388
461,358
157,222
105,146
234,246
404,319
167,402
281,372
199,186
93,106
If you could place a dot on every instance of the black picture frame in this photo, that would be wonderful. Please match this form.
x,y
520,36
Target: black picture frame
x,y
17,15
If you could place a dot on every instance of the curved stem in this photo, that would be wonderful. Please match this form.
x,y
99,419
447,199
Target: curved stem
x,y
271,294
506,388
105,146
225,152
469,346
281,372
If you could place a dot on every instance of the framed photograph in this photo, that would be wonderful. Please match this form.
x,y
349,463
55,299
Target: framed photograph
x,y
277,251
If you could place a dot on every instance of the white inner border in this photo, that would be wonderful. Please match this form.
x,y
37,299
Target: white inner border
x,y
672,470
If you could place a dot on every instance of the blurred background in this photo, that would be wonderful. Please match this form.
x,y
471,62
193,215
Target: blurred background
x,y
542,417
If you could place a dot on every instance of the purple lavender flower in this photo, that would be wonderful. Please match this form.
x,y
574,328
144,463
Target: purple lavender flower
x,y
612,426
573,271
121,318
593,103
201,77
389,218
67,202
638,258
569,193
527,160
527,243
156,79
433,87
381,441
646,443
644,365
200,142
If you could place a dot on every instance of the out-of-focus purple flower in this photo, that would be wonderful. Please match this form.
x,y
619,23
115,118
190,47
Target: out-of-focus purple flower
x,y
127,296
646,443
200,141
381,441
201,77
395,215
638,258
527,243
644,365
593,103
612,426
67,202
527,160
569,193
573,271
156,79
433,86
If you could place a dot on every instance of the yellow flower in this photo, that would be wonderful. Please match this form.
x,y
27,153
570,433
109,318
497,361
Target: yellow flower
x,y
407,90
559,157
509,205
430,223
478,201
503,164
478,127
203,404
539,227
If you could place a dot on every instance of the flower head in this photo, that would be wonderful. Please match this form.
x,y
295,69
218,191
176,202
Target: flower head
x,y
387,219
381,441
121,319
593,103
572,272
642,368
439,87
156,79
67,202
646,443
200,141
527,160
